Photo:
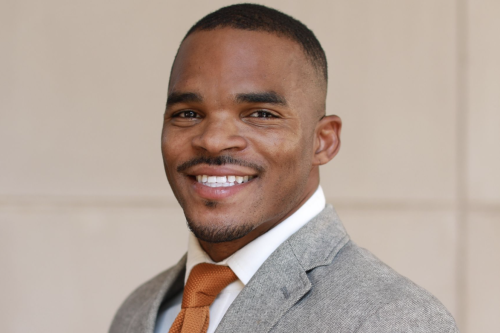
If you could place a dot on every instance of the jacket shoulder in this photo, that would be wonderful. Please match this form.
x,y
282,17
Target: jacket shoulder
x,y
356,292
398,304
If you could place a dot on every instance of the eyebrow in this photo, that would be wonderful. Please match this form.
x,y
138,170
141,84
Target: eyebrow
x,y
177,97
269,97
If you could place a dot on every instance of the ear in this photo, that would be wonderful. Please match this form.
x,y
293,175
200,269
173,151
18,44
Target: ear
x,y
327,139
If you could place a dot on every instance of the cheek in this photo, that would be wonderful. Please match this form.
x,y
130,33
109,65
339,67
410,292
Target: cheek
x,y
173,142
172,149
167,152
293,159
287,159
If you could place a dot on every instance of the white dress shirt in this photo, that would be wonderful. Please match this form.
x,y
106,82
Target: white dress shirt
x,y
244,263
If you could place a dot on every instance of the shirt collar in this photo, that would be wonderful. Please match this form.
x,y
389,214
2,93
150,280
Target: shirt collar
x,y
247,260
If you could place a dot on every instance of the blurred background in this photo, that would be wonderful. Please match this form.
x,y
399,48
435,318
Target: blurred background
x,y
86,213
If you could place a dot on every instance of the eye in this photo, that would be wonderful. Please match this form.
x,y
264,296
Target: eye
x,y
262,114
186,114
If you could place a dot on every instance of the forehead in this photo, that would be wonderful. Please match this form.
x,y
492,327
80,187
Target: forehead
x,y
236,61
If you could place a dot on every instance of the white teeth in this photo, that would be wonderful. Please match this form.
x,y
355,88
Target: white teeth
x,y
222,181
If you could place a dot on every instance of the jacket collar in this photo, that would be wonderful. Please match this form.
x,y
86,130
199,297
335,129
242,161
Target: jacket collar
x,y
282,280
317,243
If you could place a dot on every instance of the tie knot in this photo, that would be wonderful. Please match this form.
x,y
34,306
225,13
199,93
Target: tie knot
x,y
204,283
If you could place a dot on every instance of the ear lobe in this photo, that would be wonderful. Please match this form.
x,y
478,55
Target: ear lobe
x,y
327,142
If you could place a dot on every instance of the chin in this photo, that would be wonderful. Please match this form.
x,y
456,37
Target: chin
x,y
218,232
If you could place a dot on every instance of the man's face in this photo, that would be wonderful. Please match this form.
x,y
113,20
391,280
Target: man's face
x,y
242,111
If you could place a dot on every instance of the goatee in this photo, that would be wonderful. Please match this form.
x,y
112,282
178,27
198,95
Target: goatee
x,y
218,234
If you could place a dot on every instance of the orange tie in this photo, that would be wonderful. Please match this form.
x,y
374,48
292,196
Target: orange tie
x,y
205,282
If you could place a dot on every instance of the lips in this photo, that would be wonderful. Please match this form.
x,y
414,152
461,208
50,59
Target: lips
x,y
222,181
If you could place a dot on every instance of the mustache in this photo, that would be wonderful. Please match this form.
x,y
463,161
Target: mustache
x,y
218,160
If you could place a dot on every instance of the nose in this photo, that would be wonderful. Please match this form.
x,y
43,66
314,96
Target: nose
x,y
220,134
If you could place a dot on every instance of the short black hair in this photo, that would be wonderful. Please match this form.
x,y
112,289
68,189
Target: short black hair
x,y
247,16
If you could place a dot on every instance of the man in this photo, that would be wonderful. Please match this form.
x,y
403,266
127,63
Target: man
x,y
243,137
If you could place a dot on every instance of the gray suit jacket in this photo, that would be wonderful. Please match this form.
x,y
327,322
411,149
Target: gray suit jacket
x,y
316,281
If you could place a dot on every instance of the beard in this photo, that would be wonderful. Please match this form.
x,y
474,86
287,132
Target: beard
x,y
218,234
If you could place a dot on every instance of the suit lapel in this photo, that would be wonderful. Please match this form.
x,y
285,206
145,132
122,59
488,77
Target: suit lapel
x,y
282,280
278,285
319,241
170,283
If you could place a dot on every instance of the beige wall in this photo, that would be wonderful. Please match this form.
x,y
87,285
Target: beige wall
x,y
86,213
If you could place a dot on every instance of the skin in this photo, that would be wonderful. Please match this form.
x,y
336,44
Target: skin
x,y
254,97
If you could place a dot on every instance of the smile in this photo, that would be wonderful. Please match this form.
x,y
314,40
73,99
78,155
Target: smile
x,y
222,181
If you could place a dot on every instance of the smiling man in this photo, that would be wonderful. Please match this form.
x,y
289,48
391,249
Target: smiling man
x,y
244,134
